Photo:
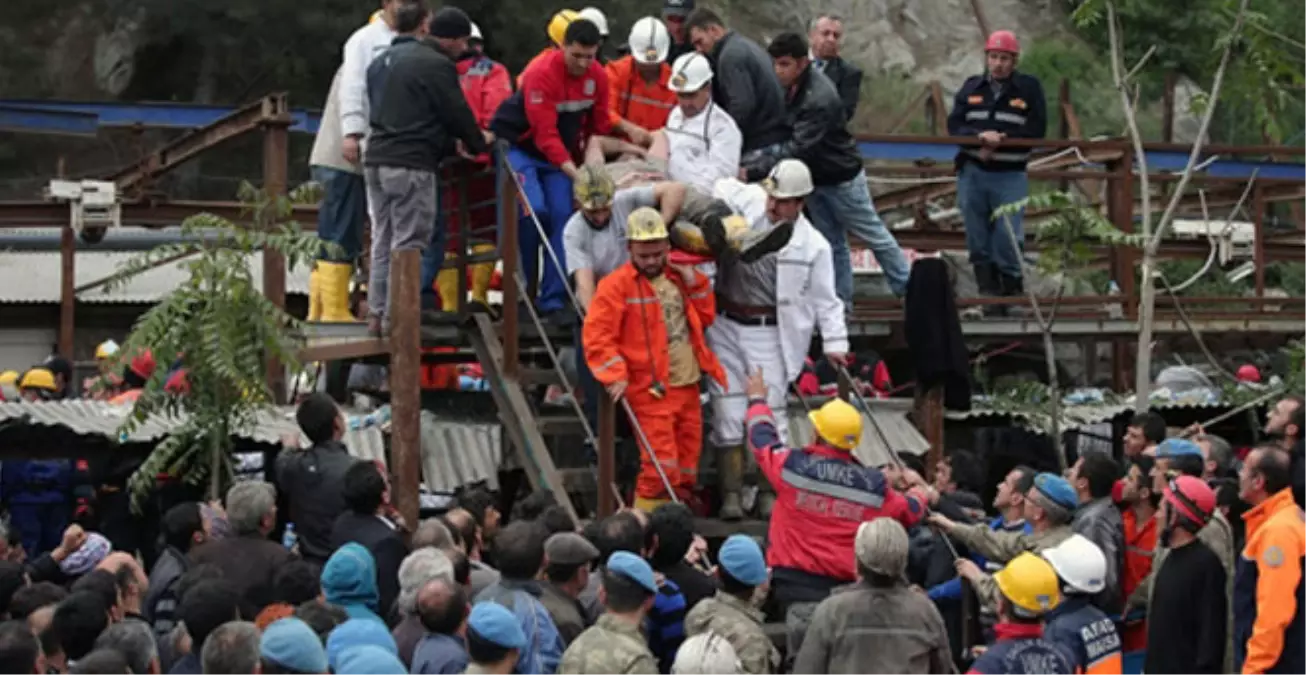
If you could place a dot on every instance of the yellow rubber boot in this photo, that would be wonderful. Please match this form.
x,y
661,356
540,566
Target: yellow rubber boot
x,y
647,505
315,295
334,287
446,283
482,275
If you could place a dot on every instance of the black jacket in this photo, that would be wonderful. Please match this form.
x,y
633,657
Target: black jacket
x,y
933,330
820,132
248,561
386,545
417,108
744,83
1016,108
312,484
847,80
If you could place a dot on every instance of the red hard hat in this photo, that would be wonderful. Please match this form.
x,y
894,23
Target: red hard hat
x,y
1248,373
1002,41
143,364
1192,498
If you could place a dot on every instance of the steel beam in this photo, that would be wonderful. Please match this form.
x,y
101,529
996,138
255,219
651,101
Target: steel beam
x,y
149,214
42,114
19,119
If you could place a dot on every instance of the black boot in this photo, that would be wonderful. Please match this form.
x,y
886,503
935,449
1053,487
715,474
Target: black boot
x,y
1014,287
988,285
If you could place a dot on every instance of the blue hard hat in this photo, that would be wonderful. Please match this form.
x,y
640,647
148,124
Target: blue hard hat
x,y
1177,447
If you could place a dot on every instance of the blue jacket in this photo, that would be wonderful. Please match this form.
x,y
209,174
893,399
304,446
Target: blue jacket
x,y
36,481
349,580
951,589
1021,649
1087,634
666,624
1017,108
543,642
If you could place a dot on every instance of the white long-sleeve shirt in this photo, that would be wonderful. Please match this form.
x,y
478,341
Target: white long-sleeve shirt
x,y
360,49
704,148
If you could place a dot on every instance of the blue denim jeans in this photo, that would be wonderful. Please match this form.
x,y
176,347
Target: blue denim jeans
x,y
343,211
836,211
979,194
548,190
433,257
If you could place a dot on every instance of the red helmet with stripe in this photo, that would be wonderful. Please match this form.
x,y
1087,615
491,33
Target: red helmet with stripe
x,y
1192,499
1002,41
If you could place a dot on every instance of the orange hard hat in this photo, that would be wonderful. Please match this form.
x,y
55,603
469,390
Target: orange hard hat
x,y
1002,41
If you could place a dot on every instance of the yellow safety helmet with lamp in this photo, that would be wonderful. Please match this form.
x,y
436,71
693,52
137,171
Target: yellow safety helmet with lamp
x,y
106,350
1030,584
594,187
558,25
9,377
838,423
645,224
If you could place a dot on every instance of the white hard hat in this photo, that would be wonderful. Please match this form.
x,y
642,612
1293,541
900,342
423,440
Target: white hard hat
x,y
649,40
690,73
596,16
476,32
789,179
1080,563
707,652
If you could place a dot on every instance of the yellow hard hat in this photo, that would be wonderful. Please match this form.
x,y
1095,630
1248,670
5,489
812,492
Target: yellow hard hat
x,y
1030,584
376,16
645,224
38,378
106,350
593,187
9,377
838,423
558,24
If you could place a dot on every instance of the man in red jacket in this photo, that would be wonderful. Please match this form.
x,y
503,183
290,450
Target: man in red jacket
x,y
562,105
823,494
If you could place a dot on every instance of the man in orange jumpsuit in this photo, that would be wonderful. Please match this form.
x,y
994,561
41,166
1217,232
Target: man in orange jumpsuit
x,y
643,338
638,93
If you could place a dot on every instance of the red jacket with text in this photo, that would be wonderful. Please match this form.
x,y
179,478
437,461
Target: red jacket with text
x,y
822,495
554,114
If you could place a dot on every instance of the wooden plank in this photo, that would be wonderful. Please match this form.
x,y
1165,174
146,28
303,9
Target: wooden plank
x,y
607,454
405,381
516,415
928,417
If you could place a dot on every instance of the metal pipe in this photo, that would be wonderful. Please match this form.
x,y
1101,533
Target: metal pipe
x,y
115,241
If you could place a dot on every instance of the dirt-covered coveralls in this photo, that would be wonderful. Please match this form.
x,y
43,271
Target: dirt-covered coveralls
x,y
650,334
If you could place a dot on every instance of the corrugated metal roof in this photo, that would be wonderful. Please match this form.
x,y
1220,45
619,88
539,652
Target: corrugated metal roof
x,y
100,418
34,277
1076,416
888,415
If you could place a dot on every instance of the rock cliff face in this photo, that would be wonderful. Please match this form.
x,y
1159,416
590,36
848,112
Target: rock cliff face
x,y
925,39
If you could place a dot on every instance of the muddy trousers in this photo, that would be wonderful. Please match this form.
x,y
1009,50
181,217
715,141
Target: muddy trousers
x,y
673,426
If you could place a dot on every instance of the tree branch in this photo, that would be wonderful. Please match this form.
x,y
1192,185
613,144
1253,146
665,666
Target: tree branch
x,y
1131,119
1141,62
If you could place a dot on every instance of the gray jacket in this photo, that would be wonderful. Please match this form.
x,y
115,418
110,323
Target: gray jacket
x,y
1100,521
861,629
744,83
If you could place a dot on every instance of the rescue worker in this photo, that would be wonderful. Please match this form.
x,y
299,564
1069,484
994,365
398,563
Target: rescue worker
x,y
841,201
640,99
557,32
1000,104
101,386
1083,630
1027,590
733,612
615,643
824,494
674,13
486,84
561,107
419,115
768,309
1139,504
879,624
336,163
1268,600
596,16
1186,623
703,142
1049,506
826,34
37,493
135,374
595,244
643,339
745,85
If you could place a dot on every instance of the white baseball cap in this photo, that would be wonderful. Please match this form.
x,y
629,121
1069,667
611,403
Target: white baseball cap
x,y
789,179
690,73
649,40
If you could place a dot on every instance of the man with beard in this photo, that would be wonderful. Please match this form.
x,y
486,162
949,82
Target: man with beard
x,y
643,338
1285,423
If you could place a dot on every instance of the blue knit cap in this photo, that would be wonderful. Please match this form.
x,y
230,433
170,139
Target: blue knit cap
x,y
742,558
292,644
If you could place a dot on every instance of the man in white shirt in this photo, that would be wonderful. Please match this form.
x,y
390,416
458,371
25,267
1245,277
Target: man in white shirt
x,y
336,166
703,142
